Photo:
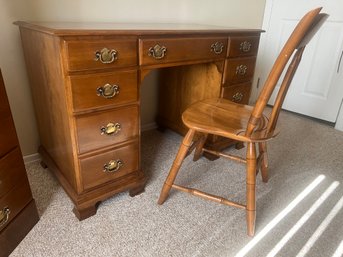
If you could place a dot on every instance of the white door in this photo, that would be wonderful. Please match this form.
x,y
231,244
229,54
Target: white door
x,y
317,88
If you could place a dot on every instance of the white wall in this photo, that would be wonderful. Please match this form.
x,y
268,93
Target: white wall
x,y
230,13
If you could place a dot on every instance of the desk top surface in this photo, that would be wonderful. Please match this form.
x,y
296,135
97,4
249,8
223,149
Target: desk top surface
x,y
94,28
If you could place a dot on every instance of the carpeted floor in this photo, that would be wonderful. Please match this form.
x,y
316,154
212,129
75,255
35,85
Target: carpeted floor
x,y
298,210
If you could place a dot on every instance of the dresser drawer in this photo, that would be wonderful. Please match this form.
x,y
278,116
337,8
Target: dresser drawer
x,y
239,70
169,50
243,46
12,171
239,93
102,129
101,53
8,136
99,90
111,165
14,201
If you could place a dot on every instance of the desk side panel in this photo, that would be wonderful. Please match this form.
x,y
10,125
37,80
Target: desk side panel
x,y
43,63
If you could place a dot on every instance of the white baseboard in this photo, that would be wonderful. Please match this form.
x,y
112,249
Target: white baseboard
x,y
149,126
31,158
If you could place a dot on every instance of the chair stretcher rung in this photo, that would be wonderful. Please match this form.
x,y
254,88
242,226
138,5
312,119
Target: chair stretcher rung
x,y
228,156
207,196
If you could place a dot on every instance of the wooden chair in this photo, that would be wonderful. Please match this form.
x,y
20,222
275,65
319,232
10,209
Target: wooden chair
x,y
246,124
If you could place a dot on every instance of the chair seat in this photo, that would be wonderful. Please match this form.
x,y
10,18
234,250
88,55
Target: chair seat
x,y
225,118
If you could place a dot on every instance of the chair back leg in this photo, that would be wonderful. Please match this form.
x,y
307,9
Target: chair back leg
x,y
264,162
200,144
182,153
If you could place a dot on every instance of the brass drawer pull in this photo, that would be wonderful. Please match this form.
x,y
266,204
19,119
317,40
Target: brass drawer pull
x,y
113,166
237,97
107,91
241,70
217,47
4,216
245,47
106,56
110,129
158,52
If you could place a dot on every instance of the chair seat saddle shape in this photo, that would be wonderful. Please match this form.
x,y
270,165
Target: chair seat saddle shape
x,y
243,123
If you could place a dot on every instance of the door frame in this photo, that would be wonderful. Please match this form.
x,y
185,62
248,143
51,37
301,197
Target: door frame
x,y
259,63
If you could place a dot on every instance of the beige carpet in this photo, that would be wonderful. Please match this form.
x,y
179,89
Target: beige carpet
x,y
189,226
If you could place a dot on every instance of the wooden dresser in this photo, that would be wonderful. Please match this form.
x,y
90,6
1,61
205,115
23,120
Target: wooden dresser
x,y
18,213
86,80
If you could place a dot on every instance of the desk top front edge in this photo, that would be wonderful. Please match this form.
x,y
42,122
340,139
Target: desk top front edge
x,y
80,28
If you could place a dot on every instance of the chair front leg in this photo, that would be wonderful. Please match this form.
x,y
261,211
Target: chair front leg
x,y
250,194
264,162
185,145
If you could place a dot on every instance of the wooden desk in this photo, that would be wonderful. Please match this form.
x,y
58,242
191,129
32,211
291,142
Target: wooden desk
x,y
86,79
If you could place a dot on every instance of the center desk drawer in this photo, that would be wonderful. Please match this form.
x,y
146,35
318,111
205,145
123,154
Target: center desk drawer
x,y
94,91
169,50
111,165
101,53
103,129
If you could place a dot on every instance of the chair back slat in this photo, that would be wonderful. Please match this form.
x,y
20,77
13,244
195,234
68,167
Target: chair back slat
x,y
294,46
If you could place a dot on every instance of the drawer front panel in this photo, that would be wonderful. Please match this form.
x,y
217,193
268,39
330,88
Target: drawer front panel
x,y
240,70
95,91
169,50
100,54
14,201
12,171
239,93
8,136
106,128
243,46
109,166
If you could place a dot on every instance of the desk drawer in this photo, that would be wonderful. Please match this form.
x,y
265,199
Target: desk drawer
x,y
12,171
239,93
102,129
169,50
111,165
243,46
101,53
99,90
14,201
239,70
